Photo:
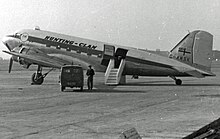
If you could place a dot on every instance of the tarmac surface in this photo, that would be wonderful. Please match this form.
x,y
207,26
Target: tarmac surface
x,y
156,107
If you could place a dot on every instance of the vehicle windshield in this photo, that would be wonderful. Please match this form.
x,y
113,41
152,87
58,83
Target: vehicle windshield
x,y
71,70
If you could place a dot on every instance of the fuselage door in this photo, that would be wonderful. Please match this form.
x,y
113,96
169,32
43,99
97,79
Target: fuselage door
x,y
119,55
121,52
108,53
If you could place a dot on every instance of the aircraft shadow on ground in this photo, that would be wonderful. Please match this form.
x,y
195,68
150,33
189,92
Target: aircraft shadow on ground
x,y
171,85
167,83
101,88
97,90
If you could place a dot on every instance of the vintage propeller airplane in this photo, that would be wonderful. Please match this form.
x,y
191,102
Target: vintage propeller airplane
x,y
192,56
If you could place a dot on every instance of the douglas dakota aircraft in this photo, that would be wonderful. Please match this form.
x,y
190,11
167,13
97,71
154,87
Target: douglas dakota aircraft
x,y
192,56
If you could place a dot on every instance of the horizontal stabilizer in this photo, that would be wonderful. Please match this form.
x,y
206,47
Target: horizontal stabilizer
x,y
195,73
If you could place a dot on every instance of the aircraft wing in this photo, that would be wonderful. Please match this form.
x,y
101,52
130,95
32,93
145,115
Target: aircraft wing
x,y
42,60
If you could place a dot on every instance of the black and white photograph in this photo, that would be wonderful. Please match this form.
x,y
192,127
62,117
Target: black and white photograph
x,y
110,69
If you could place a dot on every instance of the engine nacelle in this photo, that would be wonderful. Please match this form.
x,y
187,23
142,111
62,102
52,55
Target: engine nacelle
x,y
15,58
21,61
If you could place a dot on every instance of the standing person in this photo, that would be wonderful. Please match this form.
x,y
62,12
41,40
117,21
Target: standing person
x,y
90,73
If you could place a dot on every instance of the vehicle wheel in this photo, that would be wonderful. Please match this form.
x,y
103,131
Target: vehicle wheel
x,y
62,88
81,88
37,79
178,82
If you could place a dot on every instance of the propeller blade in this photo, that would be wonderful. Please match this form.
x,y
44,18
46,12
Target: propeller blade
x,y
10,65
8,47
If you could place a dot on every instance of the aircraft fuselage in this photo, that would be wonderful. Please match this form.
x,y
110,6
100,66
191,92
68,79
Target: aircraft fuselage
x,y
84,51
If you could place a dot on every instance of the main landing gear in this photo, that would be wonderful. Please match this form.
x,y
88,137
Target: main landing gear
x,y
38,77
177,81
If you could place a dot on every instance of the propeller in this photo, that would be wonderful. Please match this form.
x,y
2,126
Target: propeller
x,y
10,64
8,47
13,46
11,59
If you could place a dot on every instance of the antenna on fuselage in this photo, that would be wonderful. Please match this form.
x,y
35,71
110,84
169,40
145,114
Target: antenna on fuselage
x,y
36,28
188,31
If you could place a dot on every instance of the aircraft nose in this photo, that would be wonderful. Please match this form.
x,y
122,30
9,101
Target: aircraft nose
x,y
10,42
4,40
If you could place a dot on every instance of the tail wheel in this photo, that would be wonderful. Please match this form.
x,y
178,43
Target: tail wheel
x,y
37,78
178,82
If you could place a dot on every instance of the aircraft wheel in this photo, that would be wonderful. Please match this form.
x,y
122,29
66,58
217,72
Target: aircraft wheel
x,y
178,82
37,79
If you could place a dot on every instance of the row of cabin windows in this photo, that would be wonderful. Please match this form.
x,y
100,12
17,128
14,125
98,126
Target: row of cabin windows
x,y
78,51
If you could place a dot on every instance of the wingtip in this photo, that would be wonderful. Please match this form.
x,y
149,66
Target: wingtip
x,y
4,51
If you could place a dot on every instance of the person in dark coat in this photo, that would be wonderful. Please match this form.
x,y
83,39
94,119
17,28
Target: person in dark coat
x,y
90,73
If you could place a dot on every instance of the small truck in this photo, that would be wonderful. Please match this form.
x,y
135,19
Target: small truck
x,y
71,76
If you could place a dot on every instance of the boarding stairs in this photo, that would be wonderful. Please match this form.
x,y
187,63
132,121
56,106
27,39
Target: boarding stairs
x,y
113,76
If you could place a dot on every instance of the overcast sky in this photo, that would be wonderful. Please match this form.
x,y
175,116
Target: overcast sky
x,y
147,24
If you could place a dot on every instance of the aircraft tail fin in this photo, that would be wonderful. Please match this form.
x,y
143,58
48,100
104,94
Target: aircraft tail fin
x,y
195,49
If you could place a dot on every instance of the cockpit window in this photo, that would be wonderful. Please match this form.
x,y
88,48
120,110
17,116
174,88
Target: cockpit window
x,y
17,35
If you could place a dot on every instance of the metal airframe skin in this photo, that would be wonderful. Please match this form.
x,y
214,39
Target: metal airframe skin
x,y
49,49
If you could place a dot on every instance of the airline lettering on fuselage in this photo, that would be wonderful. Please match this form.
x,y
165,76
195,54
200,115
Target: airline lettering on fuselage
x,y
64,41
